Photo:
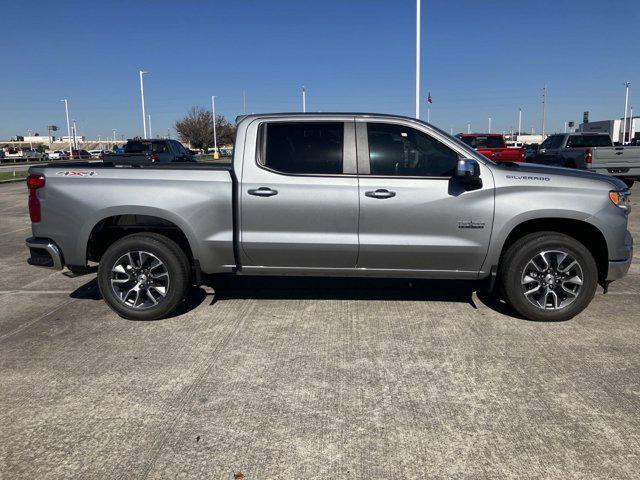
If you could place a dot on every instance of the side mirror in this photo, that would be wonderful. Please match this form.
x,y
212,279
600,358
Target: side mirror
x,y
468,173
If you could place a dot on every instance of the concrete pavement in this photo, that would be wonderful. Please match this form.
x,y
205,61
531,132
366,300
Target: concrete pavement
x,y
304,378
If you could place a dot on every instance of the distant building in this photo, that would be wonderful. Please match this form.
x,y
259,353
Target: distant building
x,y
614,128
80,138
39,138
528,139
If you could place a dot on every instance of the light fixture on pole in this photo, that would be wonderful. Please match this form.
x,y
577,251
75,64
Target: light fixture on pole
x,y
418,59
66,111
626,102
304,99
144,116
216,155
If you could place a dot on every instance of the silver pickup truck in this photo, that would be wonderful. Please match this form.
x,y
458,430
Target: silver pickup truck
x,y
591,151
334,194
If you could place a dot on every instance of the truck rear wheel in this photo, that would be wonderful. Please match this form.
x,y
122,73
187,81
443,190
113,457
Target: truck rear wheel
x,y
548,276
144,276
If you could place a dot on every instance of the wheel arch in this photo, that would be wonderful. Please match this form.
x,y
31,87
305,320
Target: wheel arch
x,y
113,224
584,232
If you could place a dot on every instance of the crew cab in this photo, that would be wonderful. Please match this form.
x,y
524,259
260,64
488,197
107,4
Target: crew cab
x,y
150,151
591,151
493,146
333,194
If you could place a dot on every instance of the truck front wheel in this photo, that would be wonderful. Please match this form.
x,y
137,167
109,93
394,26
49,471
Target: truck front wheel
x,y
143,276
548,276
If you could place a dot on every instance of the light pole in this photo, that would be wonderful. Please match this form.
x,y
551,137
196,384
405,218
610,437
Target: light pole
x,y
631,132
66,111
75,135
304,99
215,137
144,117
244,102
489,124
418,59
565,127
626,102
469,127
544,109
519,121
114,135
149,123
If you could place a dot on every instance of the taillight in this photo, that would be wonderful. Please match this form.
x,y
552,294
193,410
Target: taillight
x,y
153,157
34,182
588,156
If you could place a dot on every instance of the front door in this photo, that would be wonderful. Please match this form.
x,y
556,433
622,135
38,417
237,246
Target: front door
x,y
413,214
299,198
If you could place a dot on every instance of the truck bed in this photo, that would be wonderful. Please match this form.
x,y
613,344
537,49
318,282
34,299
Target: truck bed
x,y
195,197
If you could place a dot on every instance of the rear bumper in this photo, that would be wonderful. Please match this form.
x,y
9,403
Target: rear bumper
x,y
44,253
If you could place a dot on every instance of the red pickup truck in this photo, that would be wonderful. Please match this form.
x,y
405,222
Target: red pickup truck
x,y
492,145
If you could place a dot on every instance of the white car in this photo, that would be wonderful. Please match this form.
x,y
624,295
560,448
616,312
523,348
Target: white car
x,y
57,155
96,153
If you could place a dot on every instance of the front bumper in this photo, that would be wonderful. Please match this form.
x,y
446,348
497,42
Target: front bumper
x,y
619,268
44,253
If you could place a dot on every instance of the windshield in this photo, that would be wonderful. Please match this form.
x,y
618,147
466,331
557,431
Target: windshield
x,y
484,141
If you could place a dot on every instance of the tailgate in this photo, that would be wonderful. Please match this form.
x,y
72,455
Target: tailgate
x,y
503,154
616,158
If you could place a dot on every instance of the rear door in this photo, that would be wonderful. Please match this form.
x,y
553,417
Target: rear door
x,y
299,196
414,216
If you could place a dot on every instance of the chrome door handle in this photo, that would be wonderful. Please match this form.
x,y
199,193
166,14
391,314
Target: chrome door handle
x,y
262,192
380,193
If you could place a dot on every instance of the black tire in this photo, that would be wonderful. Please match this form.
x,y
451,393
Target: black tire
x,y
174,262
518,257
628,181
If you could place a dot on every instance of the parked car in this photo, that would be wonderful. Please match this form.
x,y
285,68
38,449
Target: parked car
x,y
79,155
591,151
334,195
150,151
493,146
24,154
97,153
57,155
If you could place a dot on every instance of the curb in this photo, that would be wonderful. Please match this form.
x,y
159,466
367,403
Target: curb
x,y
14,180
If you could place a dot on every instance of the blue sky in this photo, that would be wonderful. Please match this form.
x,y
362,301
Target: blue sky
x,y
479,59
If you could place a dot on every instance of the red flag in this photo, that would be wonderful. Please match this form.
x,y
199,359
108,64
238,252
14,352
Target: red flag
x,y
429,98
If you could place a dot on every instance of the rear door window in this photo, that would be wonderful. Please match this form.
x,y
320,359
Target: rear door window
x,y
553,141
303,147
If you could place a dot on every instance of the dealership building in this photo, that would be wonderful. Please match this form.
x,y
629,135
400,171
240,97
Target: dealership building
x,y
614,128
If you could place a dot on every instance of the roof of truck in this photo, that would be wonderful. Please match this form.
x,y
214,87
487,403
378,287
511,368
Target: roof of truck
x,y
240,118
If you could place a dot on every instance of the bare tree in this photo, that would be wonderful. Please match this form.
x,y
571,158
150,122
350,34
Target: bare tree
x,y
197,130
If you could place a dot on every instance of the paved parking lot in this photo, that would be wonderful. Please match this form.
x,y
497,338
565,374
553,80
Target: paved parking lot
x,y
302,378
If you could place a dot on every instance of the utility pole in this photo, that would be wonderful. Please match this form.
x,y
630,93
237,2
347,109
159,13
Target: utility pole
x,y
418,59
66,111
144,116
489,124
544,109
244,102
149,123
519,121
626,102
304,99
215,138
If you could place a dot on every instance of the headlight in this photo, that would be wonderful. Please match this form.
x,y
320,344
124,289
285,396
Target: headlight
x,y
621,199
